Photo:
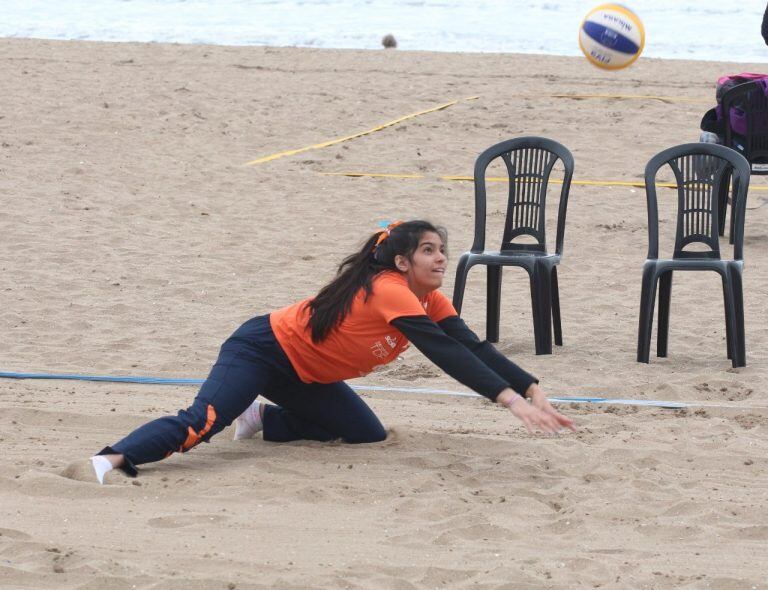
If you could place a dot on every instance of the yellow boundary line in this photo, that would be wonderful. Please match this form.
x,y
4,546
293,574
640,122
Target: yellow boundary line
x,y
282,154
356,135
632,97
629,183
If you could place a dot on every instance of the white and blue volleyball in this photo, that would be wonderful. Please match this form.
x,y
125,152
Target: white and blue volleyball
x,y
611,36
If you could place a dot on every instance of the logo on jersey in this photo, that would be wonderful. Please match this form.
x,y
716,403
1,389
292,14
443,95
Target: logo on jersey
x,y
379,350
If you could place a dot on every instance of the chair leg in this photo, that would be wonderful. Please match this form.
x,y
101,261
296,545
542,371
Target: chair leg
x,y
462,270
665,294
535,310
543,294
647,301
740,344
493,310
556,309
728,308
733,213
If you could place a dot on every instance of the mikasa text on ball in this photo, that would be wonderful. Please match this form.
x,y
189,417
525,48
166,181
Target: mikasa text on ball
x,y
611,36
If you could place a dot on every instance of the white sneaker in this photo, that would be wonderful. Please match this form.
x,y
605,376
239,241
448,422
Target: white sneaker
x,y
249,422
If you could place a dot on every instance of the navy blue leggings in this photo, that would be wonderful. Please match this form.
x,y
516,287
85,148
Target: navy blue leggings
x,y
252,363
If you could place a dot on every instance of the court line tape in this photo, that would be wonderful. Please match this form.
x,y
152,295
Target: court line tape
x,y
356,135
674,405
666,99
632,97
630,183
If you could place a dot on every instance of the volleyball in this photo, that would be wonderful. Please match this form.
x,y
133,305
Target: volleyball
x,y
611,36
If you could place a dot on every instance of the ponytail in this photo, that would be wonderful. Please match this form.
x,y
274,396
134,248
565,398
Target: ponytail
x,y
334,301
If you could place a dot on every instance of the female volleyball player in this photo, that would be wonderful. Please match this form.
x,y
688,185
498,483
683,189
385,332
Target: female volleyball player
x,y
382,297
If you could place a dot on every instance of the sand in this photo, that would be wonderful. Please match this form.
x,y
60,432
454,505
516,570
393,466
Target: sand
x,y
134,239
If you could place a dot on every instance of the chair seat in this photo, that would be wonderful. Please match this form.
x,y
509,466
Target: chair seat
x,y
536,253
545,298
512,257
716,264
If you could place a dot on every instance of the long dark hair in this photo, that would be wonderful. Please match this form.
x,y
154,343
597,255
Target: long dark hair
x,y
332,304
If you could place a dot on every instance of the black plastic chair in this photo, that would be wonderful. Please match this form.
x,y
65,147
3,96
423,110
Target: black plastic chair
x,y
750,101
699,169
529,162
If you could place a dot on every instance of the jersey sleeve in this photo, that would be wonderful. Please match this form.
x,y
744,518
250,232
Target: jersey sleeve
x,y
439,307
392,299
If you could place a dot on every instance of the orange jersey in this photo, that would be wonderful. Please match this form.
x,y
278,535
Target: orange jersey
x,y
364,340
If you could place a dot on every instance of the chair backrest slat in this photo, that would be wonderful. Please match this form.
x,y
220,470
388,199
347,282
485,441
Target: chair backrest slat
x,y
698,178
529,162
702,174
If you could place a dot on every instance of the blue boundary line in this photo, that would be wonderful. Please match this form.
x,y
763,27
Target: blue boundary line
x,y
103,378
174,381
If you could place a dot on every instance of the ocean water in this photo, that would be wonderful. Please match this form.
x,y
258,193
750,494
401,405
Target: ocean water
x,y
697,29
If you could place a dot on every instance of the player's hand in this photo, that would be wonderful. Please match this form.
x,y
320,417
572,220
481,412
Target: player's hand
x,y
538,415
539,400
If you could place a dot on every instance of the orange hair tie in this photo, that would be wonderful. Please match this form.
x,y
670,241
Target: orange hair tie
x,y
385,233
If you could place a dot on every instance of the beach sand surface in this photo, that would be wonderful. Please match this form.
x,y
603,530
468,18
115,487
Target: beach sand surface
x,y
135,238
